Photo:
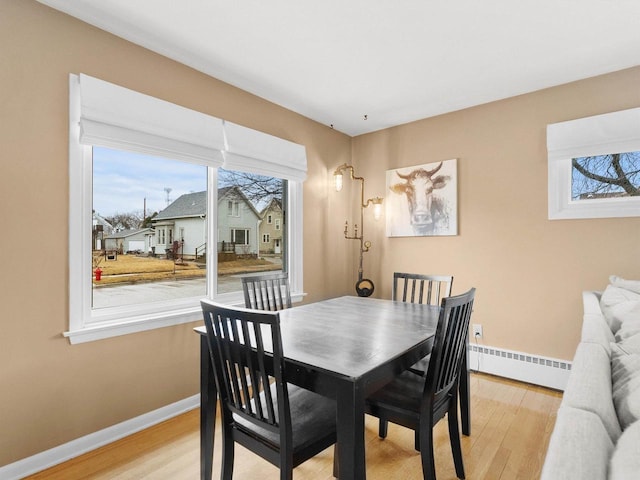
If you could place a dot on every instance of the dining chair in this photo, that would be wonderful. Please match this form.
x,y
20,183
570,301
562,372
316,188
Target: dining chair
x,y
419,402
282,423
416,288
267,292
426,289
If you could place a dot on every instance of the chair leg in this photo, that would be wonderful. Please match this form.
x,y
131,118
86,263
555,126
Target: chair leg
x,y
454,439
336,467
286,473
426,453
228,446
382,428
286,466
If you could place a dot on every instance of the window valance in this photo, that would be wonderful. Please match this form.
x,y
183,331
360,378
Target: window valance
x,y
117,117
250,150
616,132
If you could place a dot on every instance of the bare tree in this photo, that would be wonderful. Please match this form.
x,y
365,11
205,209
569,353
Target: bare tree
x,y
616,174
126,221
257,188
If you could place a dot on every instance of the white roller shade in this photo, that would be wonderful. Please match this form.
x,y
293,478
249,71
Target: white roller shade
x,y
615,132
116,117
249,150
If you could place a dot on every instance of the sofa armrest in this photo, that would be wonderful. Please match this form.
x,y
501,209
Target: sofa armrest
x,y
579,448
591,302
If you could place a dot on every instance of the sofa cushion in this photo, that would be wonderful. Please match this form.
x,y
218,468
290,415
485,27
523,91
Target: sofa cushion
x,y
625,462
579,448
631,343
625,379
589,386
629,328
631,285
618,309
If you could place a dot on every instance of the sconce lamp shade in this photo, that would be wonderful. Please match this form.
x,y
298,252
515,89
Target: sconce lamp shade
x,y
377,207
337,177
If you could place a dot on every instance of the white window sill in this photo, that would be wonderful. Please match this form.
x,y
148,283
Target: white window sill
x,y
141,323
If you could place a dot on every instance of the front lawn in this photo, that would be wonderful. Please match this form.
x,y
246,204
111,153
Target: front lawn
x,y
134,269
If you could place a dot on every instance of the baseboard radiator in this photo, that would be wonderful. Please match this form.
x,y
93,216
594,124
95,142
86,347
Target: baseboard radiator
x,y
525,367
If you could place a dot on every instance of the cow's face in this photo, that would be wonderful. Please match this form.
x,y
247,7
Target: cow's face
x,y
418,187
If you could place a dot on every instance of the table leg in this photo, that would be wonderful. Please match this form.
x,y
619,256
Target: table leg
x,y
350,418
208,403
465,394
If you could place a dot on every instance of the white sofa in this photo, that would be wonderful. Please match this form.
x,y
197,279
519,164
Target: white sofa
x,y
597,430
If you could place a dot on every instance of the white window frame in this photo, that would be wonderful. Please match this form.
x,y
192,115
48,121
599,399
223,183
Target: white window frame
x,y
266,238
277,223
247,234
243,149
616,132
234,208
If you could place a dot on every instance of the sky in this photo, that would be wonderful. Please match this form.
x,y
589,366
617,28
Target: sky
x,y
122,180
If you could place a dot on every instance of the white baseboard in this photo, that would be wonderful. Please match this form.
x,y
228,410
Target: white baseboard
x,y
525,367
62,453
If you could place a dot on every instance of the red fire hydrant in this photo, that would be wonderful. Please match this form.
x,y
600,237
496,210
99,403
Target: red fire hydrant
x,y
98,272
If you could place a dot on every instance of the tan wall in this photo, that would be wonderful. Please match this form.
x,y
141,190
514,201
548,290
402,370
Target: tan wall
x,y
54,392
529,271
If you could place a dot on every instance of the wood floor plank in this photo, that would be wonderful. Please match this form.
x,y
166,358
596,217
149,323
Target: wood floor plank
x,y
511,425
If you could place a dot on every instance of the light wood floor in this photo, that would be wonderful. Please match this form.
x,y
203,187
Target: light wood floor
x,y
511,425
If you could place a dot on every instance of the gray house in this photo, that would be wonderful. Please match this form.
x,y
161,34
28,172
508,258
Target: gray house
x,y
128,240
184,221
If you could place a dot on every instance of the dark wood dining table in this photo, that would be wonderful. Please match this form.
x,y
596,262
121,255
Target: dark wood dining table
x,y
344,348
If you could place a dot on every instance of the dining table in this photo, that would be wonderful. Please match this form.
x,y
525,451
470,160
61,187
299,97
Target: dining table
x,y
344,348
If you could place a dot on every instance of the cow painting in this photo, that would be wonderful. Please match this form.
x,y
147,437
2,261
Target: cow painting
x,y
423,200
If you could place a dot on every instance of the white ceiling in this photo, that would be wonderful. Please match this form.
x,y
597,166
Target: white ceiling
x,y
394,61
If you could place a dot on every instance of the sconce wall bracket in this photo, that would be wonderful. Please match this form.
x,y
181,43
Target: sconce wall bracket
x,y
364,286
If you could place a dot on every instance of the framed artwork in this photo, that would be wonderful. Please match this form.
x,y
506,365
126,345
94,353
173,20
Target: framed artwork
x,y
422,201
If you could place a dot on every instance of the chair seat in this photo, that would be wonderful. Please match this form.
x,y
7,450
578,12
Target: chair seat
x,y
421,366
404,394
310,413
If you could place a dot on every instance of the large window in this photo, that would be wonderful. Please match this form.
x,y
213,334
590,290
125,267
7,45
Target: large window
x,y
156,223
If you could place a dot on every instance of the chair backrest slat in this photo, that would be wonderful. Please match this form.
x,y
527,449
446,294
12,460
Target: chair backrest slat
x,y
416,288
267,292
450,343
246,352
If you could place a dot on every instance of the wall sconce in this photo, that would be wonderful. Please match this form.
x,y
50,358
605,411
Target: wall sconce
x,y
364,286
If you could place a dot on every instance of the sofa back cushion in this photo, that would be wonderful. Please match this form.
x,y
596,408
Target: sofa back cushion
x,y
619,301
625,378
625,461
